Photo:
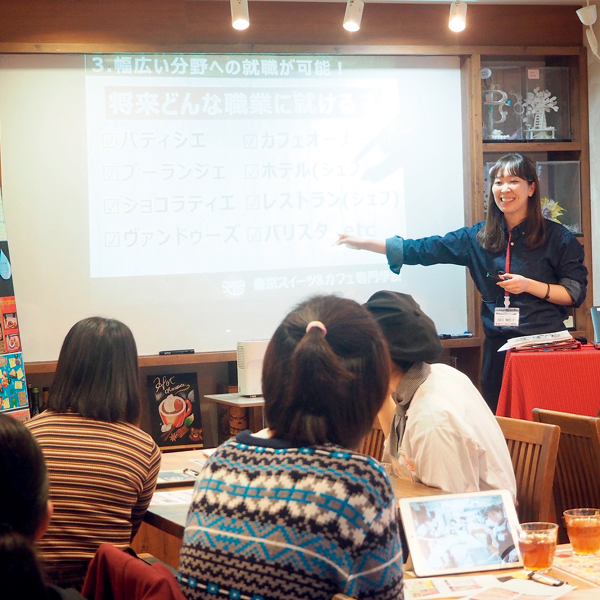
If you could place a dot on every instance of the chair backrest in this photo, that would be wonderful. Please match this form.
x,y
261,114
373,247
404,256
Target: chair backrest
x,y
577,477
533,448
116,574
372,444
342,597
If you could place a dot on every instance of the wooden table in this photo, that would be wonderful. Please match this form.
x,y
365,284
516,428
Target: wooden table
x,y
585,589
171,519
162,530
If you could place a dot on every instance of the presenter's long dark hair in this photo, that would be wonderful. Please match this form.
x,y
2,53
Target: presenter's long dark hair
x,y
492,237
97,372
23,507
327,383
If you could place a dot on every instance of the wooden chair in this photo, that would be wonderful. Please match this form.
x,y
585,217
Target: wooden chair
x,y
533,449
372,445
577,477
342,597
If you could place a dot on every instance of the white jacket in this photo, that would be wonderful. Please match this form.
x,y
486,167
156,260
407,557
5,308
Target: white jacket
x,y
452,440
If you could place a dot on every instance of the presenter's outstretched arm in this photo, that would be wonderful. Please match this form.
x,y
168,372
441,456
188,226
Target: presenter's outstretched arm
x,y
357,243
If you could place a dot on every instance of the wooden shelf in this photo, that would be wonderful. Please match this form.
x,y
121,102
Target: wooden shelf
x,y
578,149
506,147
198,358
473,342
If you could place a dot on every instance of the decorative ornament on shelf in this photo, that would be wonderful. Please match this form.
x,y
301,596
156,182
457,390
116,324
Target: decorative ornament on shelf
x,y
537,104
551,210
495,97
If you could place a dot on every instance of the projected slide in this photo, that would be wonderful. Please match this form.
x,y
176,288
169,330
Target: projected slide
x,y
196,197
230,163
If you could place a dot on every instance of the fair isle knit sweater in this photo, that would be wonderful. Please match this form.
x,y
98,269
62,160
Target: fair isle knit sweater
x,y
270,520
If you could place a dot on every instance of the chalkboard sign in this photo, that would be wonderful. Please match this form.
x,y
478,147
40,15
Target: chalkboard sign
x,y
174,405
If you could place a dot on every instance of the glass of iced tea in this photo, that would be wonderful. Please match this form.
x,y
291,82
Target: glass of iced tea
x,y
537,543
583,527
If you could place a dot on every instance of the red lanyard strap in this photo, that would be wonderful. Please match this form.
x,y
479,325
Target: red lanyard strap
x,y
507,266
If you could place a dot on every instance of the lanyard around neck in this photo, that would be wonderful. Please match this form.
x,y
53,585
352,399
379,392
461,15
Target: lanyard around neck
x,y
507,269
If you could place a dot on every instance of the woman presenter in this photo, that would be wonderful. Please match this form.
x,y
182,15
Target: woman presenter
x,y
526,268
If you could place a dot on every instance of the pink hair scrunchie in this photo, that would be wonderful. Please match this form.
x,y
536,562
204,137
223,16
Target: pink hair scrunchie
x,y
316,324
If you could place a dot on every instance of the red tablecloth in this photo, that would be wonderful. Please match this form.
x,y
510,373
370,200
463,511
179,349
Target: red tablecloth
x,y
565,380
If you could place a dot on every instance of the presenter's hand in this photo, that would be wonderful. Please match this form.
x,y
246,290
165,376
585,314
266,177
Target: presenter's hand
x,y
351,241
357,243
515,284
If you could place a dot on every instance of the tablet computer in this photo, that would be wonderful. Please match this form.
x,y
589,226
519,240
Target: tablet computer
x,y
461,533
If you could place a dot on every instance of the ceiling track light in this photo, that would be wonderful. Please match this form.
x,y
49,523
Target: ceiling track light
x,y
239,14
458,15
353,16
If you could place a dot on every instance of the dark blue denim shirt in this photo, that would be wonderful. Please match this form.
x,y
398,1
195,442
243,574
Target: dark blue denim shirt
x,y
558,261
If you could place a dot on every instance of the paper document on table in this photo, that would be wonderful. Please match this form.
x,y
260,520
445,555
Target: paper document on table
x,y
582,566
208,452
176,477
521,589
541,339
431,588
170,498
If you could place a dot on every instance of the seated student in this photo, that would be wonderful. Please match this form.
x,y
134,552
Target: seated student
x,y
294,511
102,467
441,431
25,512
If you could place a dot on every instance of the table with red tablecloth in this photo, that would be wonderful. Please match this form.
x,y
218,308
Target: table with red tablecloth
x,y
564,380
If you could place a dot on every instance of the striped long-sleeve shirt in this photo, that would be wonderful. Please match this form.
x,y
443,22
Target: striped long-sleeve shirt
x,y
102,477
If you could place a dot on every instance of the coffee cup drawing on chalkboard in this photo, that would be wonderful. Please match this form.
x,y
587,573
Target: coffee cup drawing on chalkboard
x,y
175,415
173,410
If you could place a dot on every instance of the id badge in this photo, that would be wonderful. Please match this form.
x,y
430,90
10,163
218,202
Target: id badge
x,y
506,317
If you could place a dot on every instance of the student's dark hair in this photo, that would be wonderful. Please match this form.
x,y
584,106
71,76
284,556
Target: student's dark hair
x,y
328,386
24,495
20,571
403,365
492,236
97,372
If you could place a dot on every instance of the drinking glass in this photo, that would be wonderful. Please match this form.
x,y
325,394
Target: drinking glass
x,y
537,543
583,527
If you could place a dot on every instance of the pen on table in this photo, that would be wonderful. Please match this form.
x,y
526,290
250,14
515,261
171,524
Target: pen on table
x,y
191,472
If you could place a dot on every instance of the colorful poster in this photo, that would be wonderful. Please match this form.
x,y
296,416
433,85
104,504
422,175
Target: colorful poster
x,y
6,281
9,326
174,406
13,390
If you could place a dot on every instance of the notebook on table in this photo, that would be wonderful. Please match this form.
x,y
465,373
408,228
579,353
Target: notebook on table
x,y
461,533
